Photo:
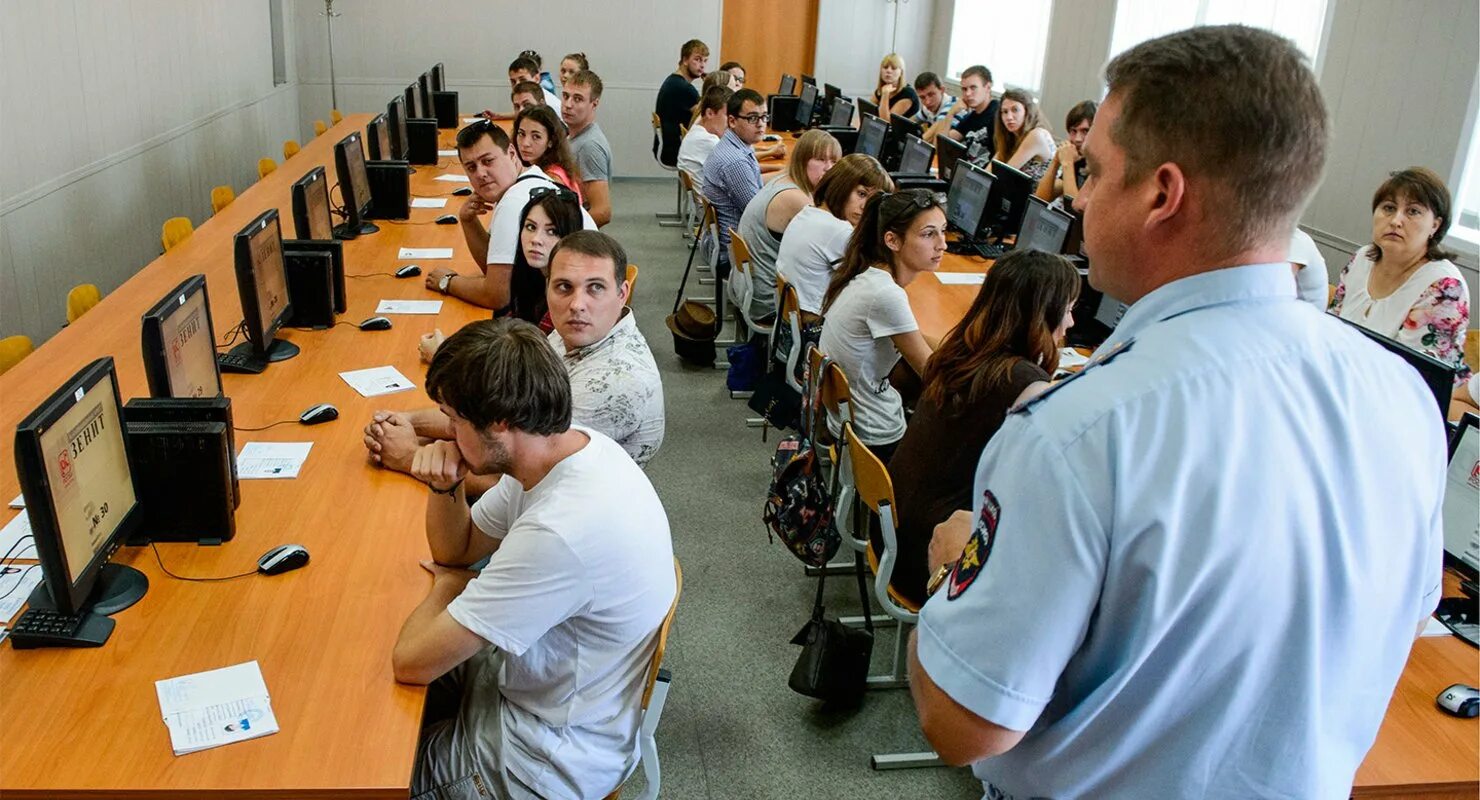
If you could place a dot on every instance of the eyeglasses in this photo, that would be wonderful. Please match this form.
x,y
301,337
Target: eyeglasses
x,y
754,119
560,192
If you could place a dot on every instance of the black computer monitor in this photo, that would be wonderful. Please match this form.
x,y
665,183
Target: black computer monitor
x,y
871,131
180,343
917,156
830,92
262,283
1074,241
354,187
378,138
424,87
1043,228
439,78
948,152
966,202
1461,495
71,455
806,104
395,114
1438,375
788,85
842,113
1009,200
808,79
901,128
311,217
412,95
868,107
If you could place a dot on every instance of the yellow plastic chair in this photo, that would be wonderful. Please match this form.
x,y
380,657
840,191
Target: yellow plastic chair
x,y
1472,349
336,116
221,197
265,167
654,697
81,300
319,128
176,230
290,149
12,350
631,283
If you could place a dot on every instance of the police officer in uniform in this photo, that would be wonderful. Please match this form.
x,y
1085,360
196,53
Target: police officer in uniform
x,y
1195,569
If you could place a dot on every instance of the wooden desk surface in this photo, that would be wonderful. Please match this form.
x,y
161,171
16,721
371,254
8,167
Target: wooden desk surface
x,y
87,721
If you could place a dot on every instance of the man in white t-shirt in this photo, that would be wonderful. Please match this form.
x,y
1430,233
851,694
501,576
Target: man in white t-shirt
x,y
537,664
704,134
493,167
1311,278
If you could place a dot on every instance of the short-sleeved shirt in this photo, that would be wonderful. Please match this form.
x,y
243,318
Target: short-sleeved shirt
x,y
732,176
1311,279
976,129
1198,566
907,93
503,226
694,151
675,108
573,597
616,389
764,244
809,254
1430,312
926,117
855,334
552,99
592,153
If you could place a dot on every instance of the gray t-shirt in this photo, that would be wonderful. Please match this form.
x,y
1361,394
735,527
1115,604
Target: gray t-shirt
x,y
763,248
593,154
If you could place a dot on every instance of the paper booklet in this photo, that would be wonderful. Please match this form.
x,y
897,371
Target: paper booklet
x,y
222,706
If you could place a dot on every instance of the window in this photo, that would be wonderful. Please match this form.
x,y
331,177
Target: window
x,y
1009,37
1467,199
1301,21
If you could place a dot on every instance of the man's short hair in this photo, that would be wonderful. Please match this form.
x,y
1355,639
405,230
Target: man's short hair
x,y
524,64
925,80
1235,105
1083,111
529,88
590,80
979,70
740,98
469,136
691,47
502,371
716,98
597,245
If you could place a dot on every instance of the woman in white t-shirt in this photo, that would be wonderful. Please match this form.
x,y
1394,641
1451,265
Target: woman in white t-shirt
x,y
867,321
1403,285
818,234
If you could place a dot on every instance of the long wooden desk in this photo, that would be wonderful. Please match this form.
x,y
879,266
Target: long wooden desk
x,y
80,723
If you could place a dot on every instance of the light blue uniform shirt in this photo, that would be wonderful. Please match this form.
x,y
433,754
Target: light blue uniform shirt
x,y
1198,567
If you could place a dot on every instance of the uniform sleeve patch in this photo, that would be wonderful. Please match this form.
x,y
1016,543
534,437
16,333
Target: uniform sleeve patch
x,y
978,548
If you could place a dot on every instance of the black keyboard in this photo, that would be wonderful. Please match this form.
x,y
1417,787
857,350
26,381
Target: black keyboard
x,y
43,628
992,250
242,363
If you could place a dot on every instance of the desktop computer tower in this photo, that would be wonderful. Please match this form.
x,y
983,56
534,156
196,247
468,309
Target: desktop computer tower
x,y
189,409
310,287
390,189
183,474
421,141
335,249
783,111
445,106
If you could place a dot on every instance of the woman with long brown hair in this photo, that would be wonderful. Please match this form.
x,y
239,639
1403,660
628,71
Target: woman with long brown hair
x,y
540,139
1022,139
1005,348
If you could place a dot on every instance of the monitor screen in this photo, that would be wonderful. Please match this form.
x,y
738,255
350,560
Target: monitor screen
x,y
412,97
1043,228
788,85
967,198
1461,498
354,158
917,157
439,80
806,103
272,279
870,136
378,139
948,152
395,111
179,337
311,217
424,86
1110,311
842,113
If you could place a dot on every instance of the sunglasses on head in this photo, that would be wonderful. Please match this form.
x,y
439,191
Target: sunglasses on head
x,y
903,203
560,192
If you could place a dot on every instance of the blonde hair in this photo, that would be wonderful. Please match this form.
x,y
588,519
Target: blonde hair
x,y
813,144
1007,141
891,60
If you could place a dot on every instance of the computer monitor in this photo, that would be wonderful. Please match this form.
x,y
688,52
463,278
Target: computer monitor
x,y
1438,375
311,217
871,132
1043,228
71,456
788,85
868,107
1074,241
842,113
808,79
439,78
947,152
424,86
966,202
395,114
262,282
806,104
1009,200
180,343
917,157
830,92
378,138
1461,497
1110,311
354,187
412,95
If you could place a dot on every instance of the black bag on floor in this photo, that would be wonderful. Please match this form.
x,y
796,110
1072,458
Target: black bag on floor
x,y
834,662
775,400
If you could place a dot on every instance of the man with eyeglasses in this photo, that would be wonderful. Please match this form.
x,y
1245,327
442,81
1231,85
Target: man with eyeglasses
x,y
492,164
732,175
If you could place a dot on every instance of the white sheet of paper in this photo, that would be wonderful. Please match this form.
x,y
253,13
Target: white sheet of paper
x,y
427,253
13,532
409,307
428,202
466,121
272,459
446,154
452,177
1069,357
961,278
17,586
217,707
212,687
18,502
377,381
1434,628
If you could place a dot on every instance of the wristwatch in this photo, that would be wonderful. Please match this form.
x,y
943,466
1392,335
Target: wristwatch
x,y
939,577
446,282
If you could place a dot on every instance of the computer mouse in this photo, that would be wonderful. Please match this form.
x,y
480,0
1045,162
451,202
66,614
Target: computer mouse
x,y
376,324
323,412
463,192
1460,700
447,219
408,271
283,558
770,137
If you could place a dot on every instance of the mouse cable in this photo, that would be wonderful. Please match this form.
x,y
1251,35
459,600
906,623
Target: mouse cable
x,y
18,581
232,335
432,196
369,274
155,548
408,222
265,427
11,555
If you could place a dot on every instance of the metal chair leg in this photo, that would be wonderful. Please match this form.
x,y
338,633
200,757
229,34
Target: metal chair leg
x,y
927,758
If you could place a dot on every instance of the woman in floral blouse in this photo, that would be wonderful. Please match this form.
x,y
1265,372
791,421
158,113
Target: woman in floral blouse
x,y
1404,285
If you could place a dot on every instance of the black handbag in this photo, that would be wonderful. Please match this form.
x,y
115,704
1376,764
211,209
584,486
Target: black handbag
x,y
775,400
834,662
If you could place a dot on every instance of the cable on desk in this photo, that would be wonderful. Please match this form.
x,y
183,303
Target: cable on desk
x,y
9,554
18,581
407,222
369,274
265,427
233,335
155,548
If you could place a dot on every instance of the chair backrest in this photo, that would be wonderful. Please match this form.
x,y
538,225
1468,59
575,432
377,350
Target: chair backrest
x,y
319,128
81,299
834,394
1472,349
175,231
790,315
871,483
265,167
870,476
12,350
631,283
290,148
221,197
657,663
336,116
739,283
